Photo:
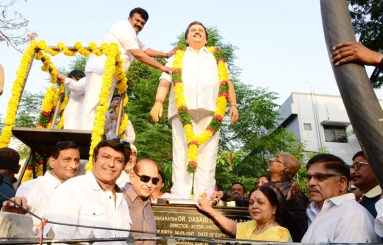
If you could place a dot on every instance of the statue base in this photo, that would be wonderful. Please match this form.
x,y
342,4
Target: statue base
x,y
187,220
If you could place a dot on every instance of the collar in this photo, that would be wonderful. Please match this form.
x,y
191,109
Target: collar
x,y
52,180
132,194
96,186
339,200
203,49
373,192
8,182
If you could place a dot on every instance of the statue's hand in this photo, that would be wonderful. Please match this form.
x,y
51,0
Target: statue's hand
x,y
156,112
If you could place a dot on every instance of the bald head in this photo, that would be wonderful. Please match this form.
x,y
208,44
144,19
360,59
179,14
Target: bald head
x,y
144,177
292,164
144,163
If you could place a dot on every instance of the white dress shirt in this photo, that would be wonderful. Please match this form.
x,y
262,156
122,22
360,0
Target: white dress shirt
x,y
82,201
341,220
379,218
72,112
200,84
126,37
38,192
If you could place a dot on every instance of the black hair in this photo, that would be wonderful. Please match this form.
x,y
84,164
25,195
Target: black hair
x,y
195,23
239,183
330,161
63,145
273,199
9,159
76,74
358,154
219,187
162,176
115,144
141,12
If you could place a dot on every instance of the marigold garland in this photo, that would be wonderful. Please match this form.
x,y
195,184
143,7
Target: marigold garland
x,y
113,67
193,140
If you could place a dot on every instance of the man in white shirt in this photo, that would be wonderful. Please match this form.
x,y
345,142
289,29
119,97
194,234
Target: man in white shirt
x,y
111,121
338,217
125,175
200,78
93,199
75,82
124,33
35,194
379,217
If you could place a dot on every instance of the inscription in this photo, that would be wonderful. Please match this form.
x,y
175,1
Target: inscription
x,y
187,221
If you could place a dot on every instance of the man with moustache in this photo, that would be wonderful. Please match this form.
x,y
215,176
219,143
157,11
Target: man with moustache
x,y
93,199
35,194
364,179
125,175
339,218
293,203
143,180
201,85
124,33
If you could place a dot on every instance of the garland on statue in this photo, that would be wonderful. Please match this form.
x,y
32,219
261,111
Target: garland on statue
x,y
193,140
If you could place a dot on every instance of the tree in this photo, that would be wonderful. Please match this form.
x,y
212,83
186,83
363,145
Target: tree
x,y
13,30
367,19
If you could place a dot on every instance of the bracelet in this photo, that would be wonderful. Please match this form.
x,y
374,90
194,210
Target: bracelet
x,y
159,101
167,56
233,104
216,212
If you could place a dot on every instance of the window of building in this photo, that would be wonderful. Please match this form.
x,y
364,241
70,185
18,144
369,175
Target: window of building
x,y
335,134
307,126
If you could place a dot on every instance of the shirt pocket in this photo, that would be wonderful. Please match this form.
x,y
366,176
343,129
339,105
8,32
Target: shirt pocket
x,y
92,215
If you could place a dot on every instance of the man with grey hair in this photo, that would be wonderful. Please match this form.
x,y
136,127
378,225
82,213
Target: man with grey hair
x,y
338,217
125,175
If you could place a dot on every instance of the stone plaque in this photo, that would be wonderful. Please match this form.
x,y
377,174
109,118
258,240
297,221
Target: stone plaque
x,y
187,220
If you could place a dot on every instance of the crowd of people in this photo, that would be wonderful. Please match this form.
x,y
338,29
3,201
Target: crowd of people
x,y
344,204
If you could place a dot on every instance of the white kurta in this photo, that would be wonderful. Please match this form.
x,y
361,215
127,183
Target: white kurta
x,y
38,192
82,201
72,112
125,36
201,85
379,218
341,220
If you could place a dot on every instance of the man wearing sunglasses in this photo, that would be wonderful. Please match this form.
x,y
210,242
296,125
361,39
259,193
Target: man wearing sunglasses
x,y
143,180
364,178
338,217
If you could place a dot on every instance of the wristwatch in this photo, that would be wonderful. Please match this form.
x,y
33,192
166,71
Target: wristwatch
x,y
167,56
233,104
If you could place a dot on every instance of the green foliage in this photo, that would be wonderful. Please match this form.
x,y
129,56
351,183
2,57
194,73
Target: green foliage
x,y
367,19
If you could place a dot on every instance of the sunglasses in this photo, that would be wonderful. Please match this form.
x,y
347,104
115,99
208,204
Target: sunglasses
x,y
146,179
319,176
114,137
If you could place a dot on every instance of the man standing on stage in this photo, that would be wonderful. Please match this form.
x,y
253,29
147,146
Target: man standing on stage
x,y
124,33
201,83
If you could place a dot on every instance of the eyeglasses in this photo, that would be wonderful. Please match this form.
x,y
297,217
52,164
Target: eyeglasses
x,y
351,188
319,176
146,179
358,165
277,160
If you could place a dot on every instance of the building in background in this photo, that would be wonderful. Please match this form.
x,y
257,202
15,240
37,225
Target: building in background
x,y
321,121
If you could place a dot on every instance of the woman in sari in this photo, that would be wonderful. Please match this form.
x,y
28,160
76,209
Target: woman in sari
x,y
263,209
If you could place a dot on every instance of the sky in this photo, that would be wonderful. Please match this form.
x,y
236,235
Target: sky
x,y
280,44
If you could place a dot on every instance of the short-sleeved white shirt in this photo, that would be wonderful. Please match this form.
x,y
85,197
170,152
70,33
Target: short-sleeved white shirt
x,y
126,37
82,201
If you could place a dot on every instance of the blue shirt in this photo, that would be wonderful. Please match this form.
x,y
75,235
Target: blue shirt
x,y
7,189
